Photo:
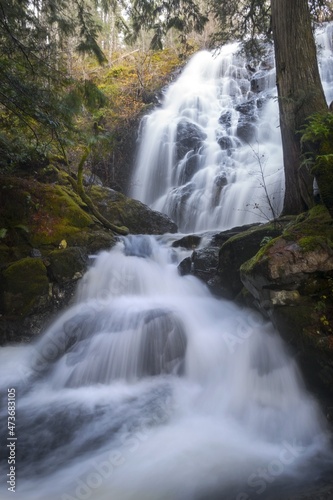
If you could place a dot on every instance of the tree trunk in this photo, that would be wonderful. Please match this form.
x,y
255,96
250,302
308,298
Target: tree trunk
x,y
300,93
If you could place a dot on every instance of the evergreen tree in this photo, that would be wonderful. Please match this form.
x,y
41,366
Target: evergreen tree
x,y
38,99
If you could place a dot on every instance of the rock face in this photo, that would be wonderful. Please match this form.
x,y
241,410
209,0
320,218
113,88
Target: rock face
x,y
47,237
291,282
286,271
218,262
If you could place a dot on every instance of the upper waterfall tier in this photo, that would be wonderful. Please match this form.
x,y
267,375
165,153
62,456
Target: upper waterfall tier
x,y
210,157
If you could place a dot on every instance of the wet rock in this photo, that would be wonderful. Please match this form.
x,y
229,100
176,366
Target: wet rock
x,y
185,266
225,142
67,264
190,137
35,253
232,254
190,241
225,119
191,166
259,82
204,263
246,108
221,180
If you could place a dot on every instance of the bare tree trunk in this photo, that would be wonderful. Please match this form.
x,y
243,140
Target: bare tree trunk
x,y
299,90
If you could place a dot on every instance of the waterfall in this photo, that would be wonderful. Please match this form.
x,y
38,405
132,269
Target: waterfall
x,y
149,388
210,156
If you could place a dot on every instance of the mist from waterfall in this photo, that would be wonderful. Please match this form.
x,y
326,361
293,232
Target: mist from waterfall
x,y
210,156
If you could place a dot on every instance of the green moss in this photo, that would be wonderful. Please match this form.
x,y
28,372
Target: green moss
x,y
24,286
262,231
260,256
49,212
309,230
311,243
315,222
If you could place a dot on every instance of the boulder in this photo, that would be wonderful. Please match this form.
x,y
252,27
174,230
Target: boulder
x,y
189,241
290,281
190,137
226,119
190,167
133,214
204,263
234,251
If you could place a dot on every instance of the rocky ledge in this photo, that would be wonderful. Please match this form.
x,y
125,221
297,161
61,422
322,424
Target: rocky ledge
x,y
47,236
284,269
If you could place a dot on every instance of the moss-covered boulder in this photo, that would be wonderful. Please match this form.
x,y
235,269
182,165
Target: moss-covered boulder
x,y
133,214
236,250
291,281
39,215
323,171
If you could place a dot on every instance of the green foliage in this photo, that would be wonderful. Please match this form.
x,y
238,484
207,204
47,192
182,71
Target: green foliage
x,y
38,99
319,127
241,21
317,145
161,16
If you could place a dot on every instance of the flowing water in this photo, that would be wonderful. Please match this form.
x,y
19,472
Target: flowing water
x,y
148,388
210,156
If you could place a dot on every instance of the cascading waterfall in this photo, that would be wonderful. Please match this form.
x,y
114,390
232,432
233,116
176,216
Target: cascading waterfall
x,y
210,157
148,388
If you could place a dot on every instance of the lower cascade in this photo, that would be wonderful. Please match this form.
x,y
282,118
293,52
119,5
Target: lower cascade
x,y
149,388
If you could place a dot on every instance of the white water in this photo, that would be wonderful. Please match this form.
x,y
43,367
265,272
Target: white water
x,y
224,177
224,406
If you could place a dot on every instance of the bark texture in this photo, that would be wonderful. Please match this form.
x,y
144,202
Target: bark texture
x,y
300,93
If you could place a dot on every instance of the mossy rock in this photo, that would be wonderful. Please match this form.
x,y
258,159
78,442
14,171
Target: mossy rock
x,y
24,287
304,247
133,214
66,264
237,250
317,222
298,266
303,327
49,213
